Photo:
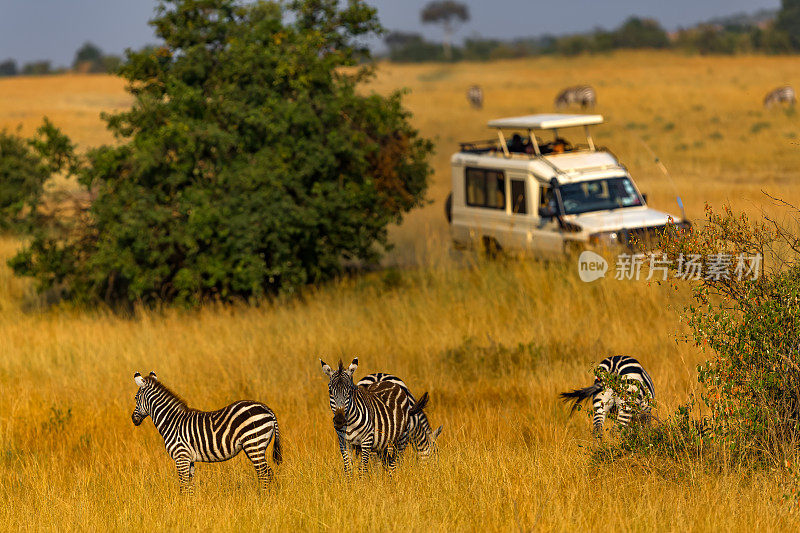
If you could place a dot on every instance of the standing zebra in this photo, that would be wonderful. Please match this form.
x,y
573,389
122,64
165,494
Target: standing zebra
x,y
422,438
583,95
781,95
604,399
475,96
373,418
191,435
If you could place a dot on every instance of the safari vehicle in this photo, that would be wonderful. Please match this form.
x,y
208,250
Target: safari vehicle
x,y
522,193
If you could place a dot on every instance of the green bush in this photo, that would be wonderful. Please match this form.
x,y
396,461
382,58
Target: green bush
x,y
249,163
750,327
25,166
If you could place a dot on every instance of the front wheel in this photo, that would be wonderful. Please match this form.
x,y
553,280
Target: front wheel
x,y
448,208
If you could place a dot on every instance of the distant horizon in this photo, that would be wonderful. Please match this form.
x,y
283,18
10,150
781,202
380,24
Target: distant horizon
x,y
53,30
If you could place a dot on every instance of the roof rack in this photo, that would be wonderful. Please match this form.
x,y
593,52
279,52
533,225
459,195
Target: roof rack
x,y
547,121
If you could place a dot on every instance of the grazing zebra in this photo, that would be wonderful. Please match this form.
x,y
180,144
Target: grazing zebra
x,y
423,440
191,435
583,95
604,399
373,418
781,95
475,96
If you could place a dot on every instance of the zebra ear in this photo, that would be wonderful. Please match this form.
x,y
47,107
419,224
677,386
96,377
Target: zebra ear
x,y
153,375
325,368
137,377
352,368
437,432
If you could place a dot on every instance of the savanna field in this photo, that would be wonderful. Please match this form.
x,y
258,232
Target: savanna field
x,y
493,342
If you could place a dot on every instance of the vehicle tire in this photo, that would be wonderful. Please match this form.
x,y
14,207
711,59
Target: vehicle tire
x,y
448,208
491,247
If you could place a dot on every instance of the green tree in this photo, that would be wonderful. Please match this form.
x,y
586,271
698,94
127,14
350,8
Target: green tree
x,y
25,166
449,14
788,21
37,68
250,162
90,58
88,53
8,68
641,33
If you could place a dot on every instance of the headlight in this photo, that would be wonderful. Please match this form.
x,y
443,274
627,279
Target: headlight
x,y
604,238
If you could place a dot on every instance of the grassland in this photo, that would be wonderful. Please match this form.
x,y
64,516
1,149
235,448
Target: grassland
x,y
493,342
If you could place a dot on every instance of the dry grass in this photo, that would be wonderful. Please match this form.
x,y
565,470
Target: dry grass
x,y
510,457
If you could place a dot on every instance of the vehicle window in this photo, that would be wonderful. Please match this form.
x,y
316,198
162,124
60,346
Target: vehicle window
x,y
599,195
486,188
519,203
476,187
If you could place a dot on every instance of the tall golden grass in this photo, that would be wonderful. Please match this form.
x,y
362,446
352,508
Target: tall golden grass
x,y
510,457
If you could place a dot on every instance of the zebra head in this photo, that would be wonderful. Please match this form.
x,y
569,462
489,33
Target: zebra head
x,y
142,397
341,390
423,439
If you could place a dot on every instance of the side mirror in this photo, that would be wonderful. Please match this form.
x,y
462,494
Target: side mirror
x,y
547,211
644,197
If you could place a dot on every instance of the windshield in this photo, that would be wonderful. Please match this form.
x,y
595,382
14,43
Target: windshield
x,y
599,195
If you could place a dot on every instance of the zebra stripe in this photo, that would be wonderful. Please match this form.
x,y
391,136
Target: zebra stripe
x,y
781,95
583,95
208,436
475,96
604,399
423,440
373,418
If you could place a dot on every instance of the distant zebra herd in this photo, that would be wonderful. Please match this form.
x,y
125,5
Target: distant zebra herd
x,y
376,415
585,97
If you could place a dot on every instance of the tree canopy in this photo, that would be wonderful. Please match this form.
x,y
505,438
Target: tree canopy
x,y
444,12
448,13
248,164
788,21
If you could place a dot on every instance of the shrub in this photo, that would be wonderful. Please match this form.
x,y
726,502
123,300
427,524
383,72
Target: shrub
x,y
248,164
750,326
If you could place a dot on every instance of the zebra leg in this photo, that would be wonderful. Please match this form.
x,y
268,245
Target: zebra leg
x,y
185,470
402,442
345,453
397,450
366,449
602,404
257,453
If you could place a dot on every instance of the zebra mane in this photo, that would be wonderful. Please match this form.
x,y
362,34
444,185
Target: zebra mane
x,y
161,387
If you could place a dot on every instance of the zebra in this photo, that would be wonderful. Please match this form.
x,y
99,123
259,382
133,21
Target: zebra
x,y
423,440
475,96
604,398
367,419
191,435
781,95
584,95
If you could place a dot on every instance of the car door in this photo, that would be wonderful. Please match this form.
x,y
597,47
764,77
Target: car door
x,y
521,221
546,235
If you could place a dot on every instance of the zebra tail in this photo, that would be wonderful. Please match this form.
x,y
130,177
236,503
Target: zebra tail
x,y
420,405
578,395
277,454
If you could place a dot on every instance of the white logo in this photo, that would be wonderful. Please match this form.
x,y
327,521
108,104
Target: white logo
x,y
591,266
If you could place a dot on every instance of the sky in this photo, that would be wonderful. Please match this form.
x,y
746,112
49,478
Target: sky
x,y
54,29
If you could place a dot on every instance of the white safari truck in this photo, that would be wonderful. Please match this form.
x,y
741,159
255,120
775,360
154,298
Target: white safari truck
x,y
519,192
